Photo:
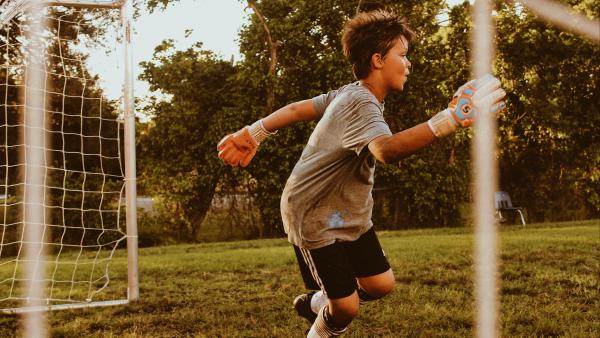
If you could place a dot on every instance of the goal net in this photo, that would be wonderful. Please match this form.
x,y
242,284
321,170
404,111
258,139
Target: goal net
x,y
67,160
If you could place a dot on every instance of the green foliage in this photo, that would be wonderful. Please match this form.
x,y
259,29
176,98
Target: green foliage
x,y
549,141
429,186
548,288
177,151
549,150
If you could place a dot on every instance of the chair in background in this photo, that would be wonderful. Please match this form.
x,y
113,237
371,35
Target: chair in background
x,y
504,205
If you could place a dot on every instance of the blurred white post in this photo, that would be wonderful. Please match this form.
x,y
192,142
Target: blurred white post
x,y
485,179
130,174
34,323
564,17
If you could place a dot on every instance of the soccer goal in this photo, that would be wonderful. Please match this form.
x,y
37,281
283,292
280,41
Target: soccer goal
x,y
67,156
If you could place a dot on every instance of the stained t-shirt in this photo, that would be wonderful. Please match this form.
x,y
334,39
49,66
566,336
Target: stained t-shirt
x,y
328,195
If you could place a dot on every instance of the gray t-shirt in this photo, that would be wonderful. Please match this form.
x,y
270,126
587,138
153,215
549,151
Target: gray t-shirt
x,y
328,195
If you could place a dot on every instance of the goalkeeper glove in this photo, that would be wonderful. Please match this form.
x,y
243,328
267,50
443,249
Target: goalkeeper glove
x,y
241,146
466,105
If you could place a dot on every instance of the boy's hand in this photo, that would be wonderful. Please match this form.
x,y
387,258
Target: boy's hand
x,y
238,148
466,105
474,94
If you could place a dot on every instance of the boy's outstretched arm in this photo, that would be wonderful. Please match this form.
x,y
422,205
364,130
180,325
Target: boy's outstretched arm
x,y
240,147
292,113
462,111
391,149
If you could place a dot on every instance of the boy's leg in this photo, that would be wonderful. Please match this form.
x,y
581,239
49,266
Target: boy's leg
x,y
334,317
307,305
375,287
373,271
337,268
331,268
343,310
307,277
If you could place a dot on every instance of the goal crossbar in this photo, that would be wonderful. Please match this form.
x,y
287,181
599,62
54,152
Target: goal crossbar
x,y
11,8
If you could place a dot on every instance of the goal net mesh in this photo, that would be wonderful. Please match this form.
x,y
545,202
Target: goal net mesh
x,y
83,167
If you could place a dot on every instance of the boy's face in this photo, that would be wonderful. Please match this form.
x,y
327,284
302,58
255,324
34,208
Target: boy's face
x,y
396,66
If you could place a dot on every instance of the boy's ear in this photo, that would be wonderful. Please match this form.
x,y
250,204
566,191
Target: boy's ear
x,y
376,61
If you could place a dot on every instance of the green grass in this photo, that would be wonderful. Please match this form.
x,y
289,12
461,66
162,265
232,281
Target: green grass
x,y
549,288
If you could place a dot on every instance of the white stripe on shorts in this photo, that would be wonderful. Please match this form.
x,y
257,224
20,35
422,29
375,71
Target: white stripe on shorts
x,y
312,267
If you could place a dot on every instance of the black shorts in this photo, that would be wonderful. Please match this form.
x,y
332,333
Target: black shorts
x,y
334,268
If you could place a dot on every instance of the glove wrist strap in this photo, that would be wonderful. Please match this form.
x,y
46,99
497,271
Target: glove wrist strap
x,y
259,132
442,124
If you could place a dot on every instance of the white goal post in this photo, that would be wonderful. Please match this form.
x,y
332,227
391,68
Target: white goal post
x,y
485,166
67,157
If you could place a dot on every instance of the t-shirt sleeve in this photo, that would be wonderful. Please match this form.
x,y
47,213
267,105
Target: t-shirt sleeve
x,y
363,125
322,101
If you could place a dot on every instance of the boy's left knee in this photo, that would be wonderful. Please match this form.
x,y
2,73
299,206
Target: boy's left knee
x,y
378,286
380,290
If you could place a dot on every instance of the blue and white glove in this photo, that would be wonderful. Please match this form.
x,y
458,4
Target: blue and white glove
x,y
467,103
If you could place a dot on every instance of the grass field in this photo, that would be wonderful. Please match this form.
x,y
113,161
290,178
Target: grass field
x,y
549,288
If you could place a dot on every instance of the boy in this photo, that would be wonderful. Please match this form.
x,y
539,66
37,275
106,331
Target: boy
x,y
326,204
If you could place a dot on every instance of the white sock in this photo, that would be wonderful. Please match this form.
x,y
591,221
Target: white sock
x,y
321,329
318,300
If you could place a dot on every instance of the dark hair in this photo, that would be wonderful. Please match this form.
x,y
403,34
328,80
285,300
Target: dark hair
x,y
372,32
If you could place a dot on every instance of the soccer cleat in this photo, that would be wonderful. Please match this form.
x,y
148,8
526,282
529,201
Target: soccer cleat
x,y
302,306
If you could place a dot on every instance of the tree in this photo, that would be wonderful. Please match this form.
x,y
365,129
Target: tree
x,y
549,144
177,154
303,37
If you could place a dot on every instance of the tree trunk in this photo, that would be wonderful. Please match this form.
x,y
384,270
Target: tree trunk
x,y
201,209
273,60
